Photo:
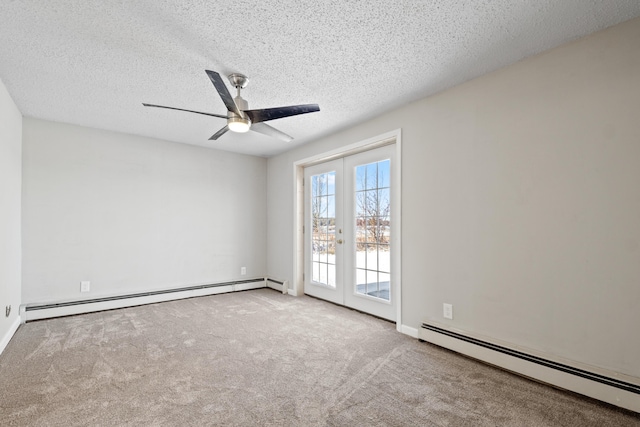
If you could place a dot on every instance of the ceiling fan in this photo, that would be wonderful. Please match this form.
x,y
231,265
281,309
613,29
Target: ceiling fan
x,y
239,117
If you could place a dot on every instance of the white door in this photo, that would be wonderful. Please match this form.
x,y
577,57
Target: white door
x,y
323,239
348,247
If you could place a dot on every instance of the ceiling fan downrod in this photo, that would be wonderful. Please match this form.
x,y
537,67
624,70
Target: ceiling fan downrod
x,y
236,123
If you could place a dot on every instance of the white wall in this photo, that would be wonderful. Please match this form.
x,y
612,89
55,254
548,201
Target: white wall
x,y
10,195
520,202
133,214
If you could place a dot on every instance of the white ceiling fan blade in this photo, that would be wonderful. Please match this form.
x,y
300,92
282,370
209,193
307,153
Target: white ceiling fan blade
x,y
218,134
265,129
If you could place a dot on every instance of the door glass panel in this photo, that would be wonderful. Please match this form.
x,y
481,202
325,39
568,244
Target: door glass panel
x,y
383,174
372,283
372,225
331,275
323,209
372,257
384,282
384,259
371,172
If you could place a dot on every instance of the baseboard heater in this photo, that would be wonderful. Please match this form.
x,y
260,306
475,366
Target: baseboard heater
x,y
279,285
611,387
66,308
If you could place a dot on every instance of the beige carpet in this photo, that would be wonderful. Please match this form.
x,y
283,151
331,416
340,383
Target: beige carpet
x,y
262,358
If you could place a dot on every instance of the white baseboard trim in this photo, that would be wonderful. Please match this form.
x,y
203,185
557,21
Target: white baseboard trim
x,y
7,337
608,386
408,330
46,311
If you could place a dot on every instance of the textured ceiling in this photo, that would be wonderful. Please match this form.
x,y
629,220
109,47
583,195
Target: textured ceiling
x,y
93,62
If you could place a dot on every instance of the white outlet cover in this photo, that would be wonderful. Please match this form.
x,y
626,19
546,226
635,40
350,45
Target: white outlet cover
x,y
243,270
85,286
447,311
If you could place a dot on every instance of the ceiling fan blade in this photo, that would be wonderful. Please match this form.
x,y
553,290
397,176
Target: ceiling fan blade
x,y
223,92
265,114
218,134
182,109
265,129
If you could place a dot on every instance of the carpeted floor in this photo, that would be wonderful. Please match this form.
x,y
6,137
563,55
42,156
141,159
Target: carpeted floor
x,y
262,358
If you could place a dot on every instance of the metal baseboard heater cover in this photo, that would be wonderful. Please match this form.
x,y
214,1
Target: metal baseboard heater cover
x,y
138,295
613,382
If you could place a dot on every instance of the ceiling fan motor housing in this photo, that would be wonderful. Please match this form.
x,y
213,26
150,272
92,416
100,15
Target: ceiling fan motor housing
x,y
238,123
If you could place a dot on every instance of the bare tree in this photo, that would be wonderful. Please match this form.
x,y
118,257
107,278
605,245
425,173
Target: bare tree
x,y
373,207
321,223
317,191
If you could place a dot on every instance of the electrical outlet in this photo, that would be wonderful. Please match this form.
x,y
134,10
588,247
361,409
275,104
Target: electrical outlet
x,y
85,286
243,271
447,311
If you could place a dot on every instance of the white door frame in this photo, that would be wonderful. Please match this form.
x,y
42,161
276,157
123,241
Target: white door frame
x,y
392,137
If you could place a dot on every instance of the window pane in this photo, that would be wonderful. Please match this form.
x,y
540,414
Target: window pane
x,y
315,253
361,177
323,273
370,202
332,276
372,257
324,253
384,173
322,230
372,175
384,258
372,230
384,283
361,204
331,251
331,207
372,282
383,199
361,256
322,184
361,281
385,224
323,205
331,183
315,207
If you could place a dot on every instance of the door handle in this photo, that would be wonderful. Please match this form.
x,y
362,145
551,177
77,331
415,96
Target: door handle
x,y
339,241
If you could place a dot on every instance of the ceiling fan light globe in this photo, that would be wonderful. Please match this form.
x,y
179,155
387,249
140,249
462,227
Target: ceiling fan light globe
x,y
239,125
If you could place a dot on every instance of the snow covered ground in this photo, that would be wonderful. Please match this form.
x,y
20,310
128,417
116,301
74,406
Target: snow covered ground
x,y
373,270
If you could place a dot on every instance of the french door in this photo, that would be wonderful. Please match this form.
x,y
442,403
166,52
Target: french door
x,y
347,232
